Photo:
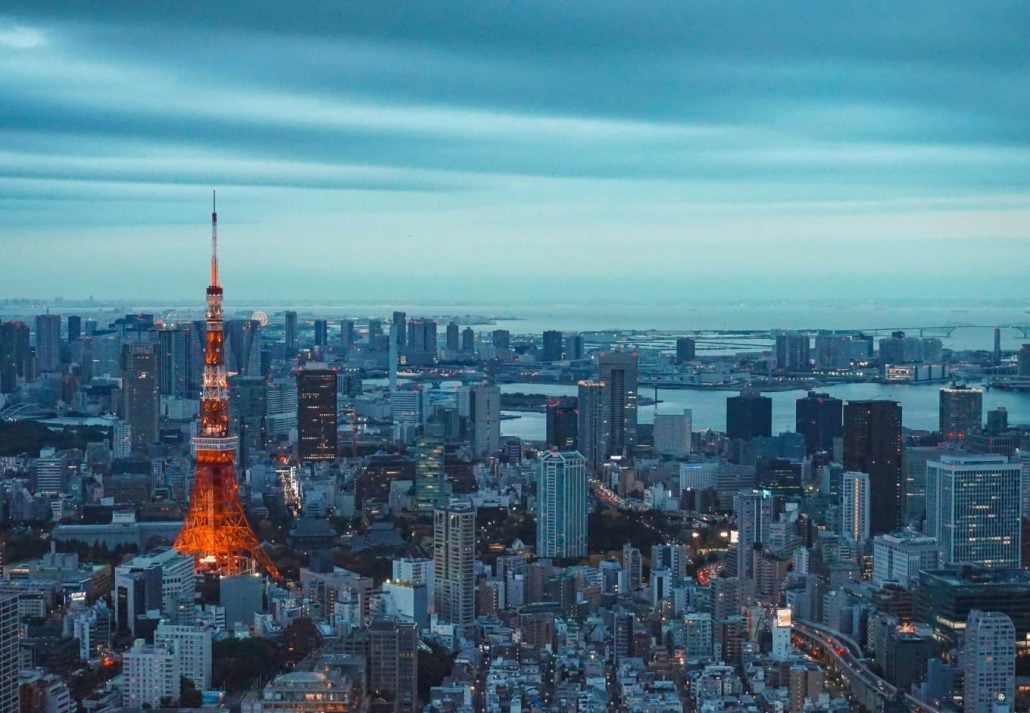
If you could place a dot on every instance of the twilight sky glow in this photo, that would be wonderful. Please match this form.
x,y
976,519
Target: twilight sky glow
x,y
510,150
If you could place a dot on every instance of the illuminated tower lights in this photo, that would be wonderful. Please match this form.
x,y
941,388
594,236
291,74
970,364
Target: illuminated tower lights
x,y
215,530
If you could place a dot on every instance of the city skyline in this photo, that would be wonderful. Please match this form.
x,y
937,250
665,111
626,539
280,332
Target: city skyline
x,y
643,135
520,545
604,356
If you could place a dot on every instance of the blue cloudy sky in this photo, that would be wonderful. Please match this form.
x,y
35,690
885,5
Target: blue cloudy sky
x,y
492,150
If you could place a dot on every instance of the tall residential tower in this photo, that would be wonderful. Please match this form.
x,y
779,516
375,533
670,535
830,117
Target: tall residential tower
x,y
454,555
561,505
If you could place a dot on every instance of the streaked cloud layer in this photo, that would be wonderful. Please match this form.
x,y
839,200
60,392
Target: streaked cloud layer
x,y
486,148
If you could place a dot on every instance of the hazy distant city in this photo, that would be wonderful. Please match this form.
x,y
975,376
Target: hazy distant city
x,y
484,357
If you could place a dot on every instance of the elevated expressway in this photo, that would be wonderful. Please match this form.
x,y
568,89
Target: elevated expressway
x,y
843,655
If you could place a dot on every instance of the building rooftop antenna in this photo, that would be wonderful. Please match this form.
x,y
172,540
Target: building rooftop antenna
x,y
214,240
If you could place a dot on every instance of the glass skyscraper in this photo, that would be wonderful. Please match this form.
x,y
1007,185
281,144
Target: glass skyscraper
x,y
872,444
316,413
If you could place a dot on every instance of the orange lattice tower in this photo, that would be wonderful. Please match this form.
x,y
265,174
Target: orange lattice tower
x,y
216,531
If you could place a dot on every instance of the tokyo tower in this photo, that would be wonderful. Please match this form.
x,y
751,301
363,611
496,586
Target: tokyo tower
x,y
215,531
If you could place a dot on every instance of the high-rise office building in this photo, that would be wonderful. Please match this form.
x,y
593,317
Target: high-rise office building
x,y
290,332
944,598
248,405
686,349
819,418
997,421
561,505
134,326
281,409
618,370
393,358
393,665
432,488
9,699
672,558
1023,361
840,351
552,346
408,404
574,347
989,663
347,332
454,553
780,475
421,341
973,510
48,342
121,440
453,337
672,433
15,355
792,352
140,392
900,558
961,412
900,349
996,353
375,332
74,328
174,353
562,423
50,471
755,511
632,569
592,431
501,339
480,405
623,630
872,445
913,469
242,346
373,481
400,322
316,413
468,341
162,580
748,416
854,506
321,332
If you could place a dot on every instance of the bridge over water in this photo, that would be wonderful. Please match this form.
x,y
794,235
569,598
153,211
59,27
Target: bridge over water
x,y
944,330
713,339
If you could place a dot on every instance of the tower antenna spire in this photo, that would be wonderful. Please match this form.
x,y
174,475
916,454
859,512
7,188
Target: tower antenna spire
x,y
214,240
